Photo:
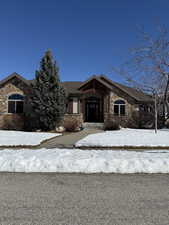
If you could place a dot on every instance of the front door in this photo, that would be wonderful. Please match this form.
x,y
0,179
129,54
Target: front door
x,y
93,110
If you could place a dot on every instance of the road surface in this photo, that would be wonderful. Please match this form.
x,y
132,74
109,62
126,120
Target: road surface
x,y
76,199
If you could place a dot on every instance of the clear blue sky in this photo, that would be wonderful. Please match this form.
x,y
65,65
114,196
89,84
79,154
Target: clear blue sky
x,y
86,36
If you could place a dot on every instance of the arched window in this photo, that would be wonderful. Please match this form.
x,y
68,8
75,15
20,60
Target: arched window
x,y
15,103
119,108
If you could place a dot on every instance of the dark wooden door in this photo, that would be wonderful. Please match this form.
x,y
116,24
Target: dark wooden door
x,y
93,110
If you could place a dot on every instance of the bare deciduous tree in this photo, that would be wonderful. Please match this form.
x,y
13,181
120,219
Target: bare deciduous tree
x,y
148,68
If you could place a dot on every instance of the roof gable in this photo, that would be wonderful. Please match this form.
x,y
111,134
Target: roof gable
x,y
11,76
75,87
132,92
97,78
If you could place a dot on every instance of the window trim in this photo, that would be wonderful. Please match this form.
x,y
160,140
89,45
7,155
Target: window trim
x,y
75,106
71,101
119,107
14,100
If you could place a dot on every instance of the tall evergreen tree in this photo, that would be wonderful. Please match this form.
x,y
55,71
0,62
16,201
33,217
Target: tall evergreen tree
x,y
48,98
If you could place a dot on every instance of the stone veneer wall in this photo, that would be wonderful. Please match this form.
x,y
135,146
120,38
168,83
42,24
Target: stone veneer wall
x,y
122,120
14,86
78,117
12,121
5,91
17,86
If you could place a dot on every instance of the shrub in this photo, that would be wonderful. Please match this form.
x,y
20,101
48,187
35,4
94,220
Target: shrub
x,y
144,120
134,121
71,125
111,125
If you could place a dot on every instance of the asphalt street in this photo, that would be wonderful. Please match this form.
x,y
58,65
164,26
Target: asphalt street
x,y
77,199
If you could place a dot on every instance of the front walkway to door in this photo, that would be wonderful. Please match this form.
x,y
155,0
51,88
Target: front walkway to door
x,y
68,140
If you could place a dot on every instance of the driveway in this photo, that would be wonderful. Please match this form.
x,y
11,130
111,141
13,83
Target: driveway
x,y
76,199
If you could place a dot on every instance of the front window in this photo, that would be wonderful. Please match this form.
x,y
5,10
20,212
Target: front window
x,y
119,108
15,103
75,105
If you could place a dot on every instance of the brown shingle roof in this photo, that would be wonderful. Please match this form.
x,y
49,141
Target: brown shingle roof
x,y
137,95
73,87
11,76
132,92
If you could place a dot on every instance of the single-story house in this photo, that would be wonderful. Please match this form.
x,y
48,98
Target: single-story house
x,y
95,100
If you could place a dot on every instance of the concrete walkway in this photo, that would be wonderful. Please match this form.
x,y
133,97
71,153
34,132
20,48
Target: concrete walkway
x,y
68,140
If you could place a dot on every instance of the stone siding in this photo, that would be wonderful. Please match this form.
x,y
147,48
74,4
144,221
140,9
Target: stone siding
x,y
12,122
130,108
122,120
78,117
107,99
14,86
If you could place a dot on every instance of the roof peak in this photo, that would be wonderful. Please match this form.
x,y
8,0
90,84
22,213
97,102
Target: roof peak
x,y
12,75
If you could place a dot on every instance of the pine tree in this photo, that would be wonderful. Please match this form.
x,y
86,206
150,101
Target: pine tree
x,y
48,98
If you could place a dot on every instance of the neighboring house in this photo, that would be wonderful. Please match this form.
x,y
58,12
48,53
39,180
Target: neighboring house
x,y
97,99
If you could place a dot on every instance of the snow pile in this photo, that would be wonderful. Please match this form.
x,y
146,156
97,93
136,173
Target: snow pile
x,y
84,161
126,137
17,138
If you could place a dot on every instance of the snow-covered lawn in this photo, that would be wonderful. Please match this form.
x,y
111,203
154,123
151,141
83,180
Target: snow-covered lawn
x,y
127,137
84,161
19,138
